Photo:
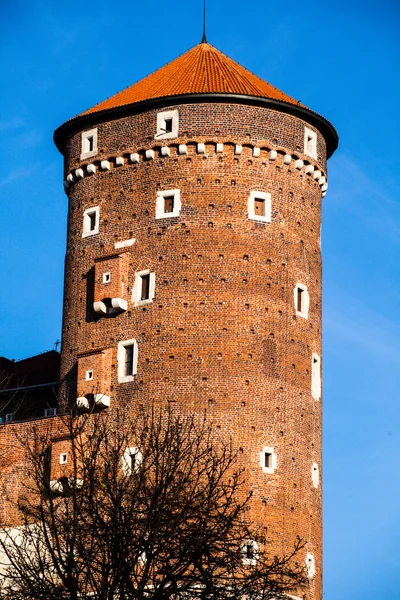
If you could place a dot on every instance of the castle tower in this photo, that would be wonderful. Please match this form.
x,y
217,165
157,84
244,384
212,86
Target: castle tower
x,y
193,270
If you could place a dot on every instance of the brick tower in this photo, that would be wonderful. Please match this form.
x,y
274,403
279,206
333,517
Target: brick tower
x,y
193,270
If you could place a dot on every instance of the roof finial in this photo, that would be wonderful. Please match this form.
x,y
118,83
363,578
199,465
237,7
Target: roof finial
x,y
204,38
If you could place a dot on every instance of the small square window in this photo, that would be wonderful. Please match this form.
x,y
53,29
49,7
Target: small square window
x,y
50,412
167,125
64,458
310,143
250,552
268,460
259,206
131,460
301,300
91,217
127,360
144,288
89,143
89,375
106,277
168,204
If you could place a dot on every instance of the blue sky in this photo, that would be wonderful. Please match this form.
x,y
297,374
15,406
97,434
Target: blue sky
x,y
339,58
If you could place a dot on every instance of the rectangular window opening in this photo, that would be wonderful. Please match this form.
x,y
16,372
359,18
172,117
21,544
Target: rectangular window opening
x,y
267,460
92,221
168,204
300,299
168,126
259,207
145,287
89,143
128,366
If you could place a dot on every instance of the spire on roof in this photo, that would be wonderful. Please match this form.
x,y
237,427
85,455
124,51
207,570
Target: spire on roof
x,y
204,38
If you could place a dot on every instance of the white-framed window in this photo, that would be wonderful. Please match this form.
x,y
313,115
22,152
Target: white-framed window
x,y
310,565
131,460
144,287
301,300
168,204
316,376
268,461
89,143
167,125
315,474
310,142
89,375
259,206
91,219
127,360
250,552
107,277
63,458
50,412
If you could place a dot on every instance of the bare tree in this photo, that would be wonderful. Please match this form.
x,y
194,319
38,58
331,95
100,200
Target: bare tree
x,y
152,509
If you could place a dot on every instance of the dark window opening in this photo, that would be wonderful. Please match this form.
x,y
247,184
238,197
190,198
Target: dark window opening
x,y
300,299
267,460
168,126
92,221
90,143
168,204
259,207
145,293
128,368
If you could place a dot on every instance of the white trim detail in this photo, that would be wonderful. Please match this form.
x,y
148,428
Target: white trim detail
x,y
63,458
250,560
316,376
79,174
299,164
219,148
182,149
324,187
256,152
315,474
137,288
317,175
101,400
310,142
89,375
150,154
122,378
105,165
273,155
162,121
87,221
272,460
134,158
82,403
266,197
70,178
322,180
160,204
310,169
201,148
165,151
119,161
287,159
310,565
301,311
124,244
91,169
88,143
127,461
238,149
106,277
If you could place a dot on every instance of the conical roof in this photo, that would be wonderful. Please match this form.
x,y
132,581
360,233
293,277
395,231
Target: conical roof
x,y
201,70
203,73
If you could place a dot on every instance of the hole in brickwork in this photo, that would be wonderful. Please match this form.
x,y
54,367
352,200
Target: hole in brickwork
x,y
247,382
190,356
245,257
188,232
247,306
217,181
233,182
243,403
199,181
185,304
250,356
171,357
236,159
160,258
253,428
244,280
229,207
200,256
211,206
211,224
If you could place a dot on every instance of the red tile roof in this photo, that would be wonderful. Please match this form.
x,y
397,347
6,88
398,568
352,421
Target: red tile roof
x,y
203,69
